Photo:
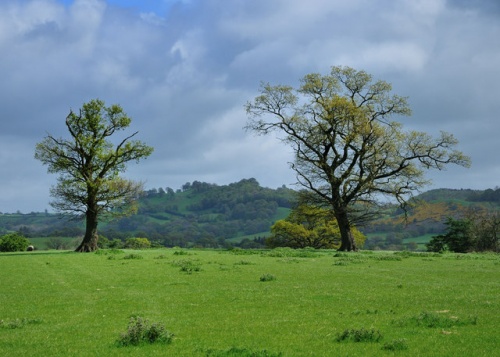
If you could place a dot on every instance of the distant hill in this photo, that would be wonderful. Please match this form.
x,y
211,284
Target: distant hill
x,y
199,213
209,215
426,217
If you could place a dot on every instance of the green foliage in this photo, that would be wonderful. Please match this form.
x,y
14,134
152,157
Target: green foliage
x,y
458,237
360,335
140,331
187,265
267,277
347,146
399,344
309,226
89,165
13,242
205,215
187,228
137,243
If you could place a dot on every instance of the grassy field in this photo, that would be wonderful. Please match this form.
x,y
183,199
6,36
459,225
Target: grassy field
x,y
244,303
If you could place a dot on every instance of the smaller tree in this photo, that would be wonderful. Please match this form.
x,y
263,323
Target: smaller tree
x,y
478,231
458,237
13,242
486,230
89,164
309,226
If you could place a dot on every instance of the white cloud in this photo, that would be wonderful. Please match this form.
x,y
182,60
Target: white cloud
x,y
184,69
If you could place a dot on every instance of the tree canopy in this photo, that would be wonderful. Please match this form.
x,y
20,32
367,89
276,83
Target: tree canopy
x,y
309,226
348,150
89,165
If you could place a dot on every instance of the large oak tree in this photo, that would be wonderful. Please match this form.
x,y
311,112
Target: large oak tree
x,y
348,150
89,164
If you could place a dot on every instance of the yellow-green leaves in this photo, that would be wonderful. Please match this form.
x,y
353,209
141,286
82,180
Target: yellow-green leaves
x,y
89,163
348,146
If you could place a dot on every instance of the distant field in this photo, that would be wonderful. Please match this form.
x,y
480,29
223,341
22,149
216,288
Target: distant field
x,y
251,303
43,243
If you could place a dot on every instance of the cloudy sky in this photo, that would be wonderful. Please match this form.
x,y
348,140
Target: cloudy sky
x,y
183,71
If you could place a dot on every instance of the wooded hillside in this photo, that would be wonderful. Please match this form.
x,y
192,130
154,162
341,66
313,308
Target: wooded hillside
x,y
241,213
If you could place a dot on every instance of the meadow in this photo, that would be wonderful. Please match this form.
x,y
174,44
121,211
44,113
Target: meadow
x,y
251,303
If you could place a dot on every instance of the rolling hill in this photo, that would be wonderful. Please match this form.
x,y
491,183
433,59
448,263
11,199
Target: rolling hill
x,y
241,213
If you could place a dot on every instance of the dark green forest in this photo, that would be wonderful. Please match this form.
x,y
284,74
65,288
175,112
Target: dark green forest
x,y
240,214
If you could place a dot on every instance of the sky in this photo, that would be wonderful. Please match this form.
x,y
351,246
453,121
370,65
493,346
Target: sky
x,y
183,71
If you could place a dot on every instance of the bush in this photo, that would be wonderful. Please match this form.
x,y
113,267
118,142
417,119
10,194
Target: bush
x,y
360,335
267,277
187,266
399,344
137,243
140,331
13,242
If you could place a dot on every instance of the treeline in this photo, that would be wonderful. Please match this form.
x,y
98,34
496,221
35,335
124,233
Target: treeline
x,y
489,195
242,213
204,214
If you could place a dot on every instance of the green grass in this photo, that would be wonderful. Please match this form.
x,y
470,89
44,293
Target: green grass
x,y
56,303
42,243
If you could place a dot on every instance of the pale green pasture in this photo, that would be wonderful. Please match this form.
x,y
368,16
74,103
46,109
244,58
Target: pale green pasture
x,y
78,304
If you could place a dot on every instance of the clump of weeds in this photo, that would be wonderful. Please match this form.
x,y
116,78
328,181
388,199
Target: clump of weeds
x,y
140,331
360,335
187,266
398,344
267,277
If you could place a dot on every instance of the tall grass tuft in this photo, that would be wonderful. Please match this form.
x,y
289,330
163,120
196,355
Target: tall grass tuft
x,y
140,331
360,335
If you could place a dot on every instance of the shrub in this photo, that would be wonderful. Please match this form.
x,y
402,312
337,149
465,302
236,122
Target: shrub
x,y
137,243
360,335
396,345
140,331
115,244
187,266
267,277
13,242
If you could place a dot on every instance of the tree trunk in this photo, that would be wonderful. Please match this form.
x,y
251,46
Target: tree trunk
x,y
89,242
347,239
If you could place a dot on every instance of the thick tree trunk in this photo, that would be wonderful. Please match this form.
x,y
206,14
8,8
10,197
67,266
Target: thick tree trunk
x,y
347,239
89,242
